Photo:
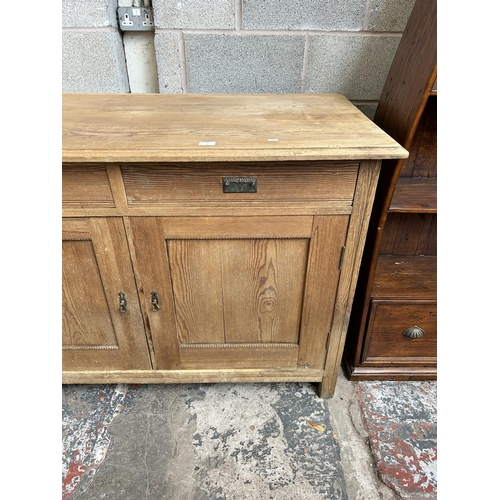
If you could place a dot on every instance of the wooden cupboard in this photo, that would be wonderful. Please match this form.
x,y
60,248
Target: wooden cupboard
x,y
393,327
213,237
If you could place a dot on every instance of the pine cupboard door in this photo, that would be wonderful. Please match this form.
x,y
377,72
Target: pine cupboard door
x,y
101,318
238,292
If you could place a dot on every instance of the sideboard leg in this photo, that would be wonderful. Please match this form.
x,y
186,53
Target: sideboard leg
x,y
326,387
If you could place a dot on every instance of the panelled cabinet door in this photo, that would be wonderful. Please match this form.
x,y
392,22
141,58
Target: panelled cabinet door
x,y
102,322
238,292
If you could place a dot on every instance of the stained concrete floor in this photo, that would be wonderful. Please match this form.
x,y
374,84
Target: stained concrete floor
x,y
249,441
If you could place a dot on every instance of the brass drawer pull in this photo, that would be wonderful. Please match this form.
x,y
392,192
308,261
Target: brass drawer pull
x,y
154,300
123,302
414,332
239,184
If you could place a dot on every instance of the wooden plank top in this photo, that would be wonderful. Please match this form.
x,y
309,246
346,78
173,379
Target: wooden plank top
x,y
219,127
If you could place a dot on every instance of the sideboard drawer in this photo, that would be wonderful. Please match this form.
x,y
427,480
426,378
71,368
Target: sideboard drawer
x,y
323,184
389,319
86,187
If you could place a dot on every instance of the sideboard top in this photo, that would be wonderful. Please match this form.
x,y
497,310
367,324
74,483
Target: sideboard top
x,y
219,127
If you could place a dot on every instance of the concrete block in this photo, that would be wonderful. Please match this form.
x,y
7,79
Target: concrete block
x,y
194,14
244,64
168,63
89,13
355,66
329,15
390,15
93,61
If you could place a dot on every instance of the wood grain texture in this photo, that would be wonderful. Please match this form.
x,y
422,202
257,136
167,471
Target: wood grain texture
x,y
117,188
238,291
405,277
236,227
239,357
362,207
76,229
422,159
389,319
287,188
192,376
170,127
263,282
198,292
197,183
151,267
90,212
86,319
86,187
249,210
415,195
409,234
253,280
323,271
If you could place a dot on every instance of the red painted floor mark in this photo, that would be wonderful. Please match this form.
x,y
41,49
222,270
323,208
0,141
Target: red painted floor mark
x,y
73,475
401,421
87,442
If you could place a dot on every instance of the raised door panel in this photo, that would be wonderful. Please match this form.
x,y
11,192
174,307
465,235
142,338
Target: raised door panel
x,y
99,330
259,297
238,291
86,318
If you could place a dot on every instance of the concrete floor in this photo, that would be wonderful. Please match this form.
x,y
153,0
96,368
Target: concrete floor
x,y
233,441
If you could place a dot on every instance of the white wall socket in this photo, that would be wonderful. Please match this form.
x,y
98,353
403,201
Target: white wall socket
x,y
135,18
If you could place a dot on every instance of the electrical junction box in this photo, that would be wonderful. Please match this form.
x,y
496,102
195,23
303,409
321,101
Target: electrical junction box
x,y
135,19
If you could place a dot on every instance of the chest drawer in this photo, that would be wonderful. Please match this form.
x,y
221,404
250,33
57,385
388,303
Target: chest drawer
x,y
86,187
320,184
389,319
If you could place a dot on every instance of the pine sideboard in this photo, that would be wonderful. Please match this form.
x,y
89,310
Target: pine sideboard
x,y
213,238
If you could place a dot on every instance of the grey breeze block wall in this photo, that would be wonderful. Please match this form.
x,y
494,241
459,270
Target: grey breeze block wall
x,y
241,46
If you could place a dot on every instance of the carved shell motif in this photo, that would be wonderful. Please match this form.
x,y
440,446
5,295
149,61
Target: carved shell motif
x,y
414,332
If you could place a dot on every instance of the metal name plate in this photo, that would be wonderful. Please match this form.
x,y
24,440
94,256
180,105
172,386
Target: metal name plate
x,y
239,184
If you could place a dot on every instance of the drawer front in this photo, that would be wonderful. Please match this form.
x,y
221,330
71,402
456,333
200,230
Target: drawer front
x,y
388,321
86,187
263,183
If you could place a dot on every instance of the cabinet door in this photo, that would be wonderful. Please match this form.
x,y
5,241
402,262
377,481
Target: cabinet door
x,y
99,333
238,292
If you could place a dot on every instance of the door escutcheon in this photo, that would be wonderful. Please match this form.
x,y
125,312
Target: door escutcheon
x,y
154,300
123,302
